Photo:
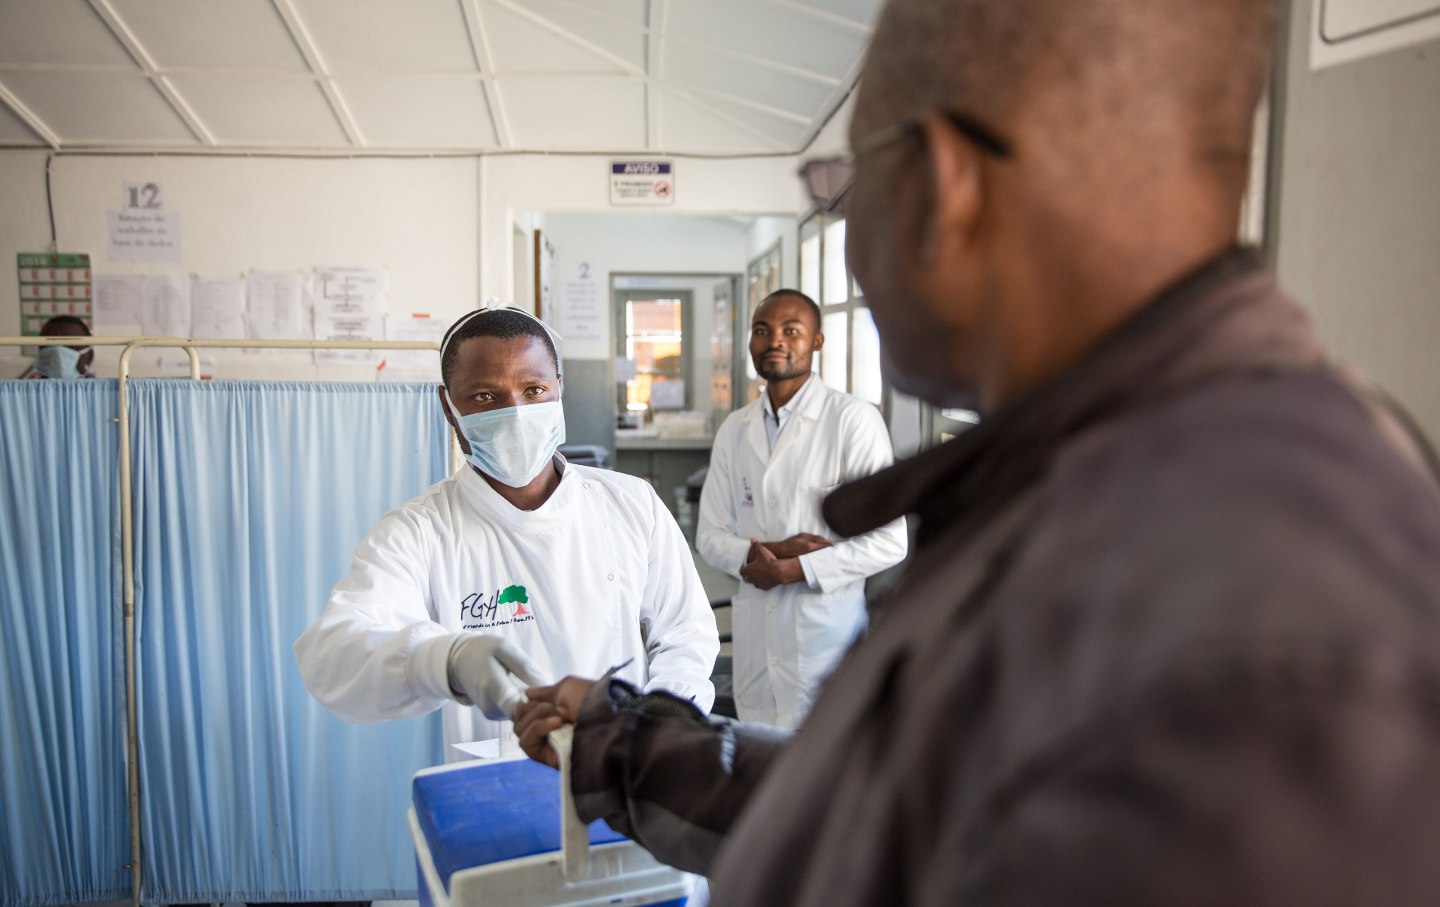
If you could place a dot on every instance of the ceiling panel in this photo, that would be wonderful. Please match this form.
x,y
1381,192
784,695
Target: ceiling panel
x,y
687,128
625,38
420,111
14,131
768,30
596,113
519,45
628,12
370,35
223,34
63,32
97,107
691,65
261,109
783,133
863,11
729,76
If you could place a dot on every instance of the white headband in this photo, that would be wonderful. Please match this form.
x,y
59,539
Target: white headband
x,y
493,305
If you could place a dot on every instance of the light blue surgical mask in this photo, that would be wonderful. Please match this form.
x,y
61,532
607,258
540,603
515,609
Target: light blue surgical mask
x,y
512,445
59,362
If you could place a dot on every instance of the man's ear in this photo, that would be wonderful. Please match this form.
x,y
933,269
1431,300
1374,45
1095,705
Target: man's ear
x,y
819,342
84,362
955,174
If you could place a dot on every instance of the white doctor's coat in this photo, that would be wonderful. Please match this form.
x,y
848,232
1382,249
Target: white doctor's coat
x,y
788,639
571,584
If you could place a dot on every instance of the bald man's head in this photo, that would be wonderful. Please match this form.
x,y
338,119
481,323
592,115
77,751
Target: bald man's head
x,y
1113,82
1128,125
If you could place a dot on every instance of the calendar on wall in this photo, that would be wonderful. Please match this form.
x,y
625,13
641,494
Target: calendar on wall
x,y
52,283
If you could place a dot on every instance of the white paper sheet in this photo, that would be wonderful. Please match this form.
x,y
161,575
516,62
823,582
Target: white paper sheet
x,y
138,235
348,328
117,300
412,365
582,317
276,307
345,292
166,309
217,306
506,746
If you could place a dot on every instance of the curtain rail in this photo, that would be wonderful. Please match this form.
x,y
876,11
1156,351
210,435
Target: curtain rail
x,y
127,541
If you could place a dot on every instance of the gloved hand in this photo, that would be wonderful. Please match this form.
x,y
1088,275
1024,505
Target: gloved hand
x,y
480,668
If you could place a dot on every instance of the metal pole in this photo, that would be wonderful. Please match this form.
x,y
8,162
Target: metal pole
x,y
127,561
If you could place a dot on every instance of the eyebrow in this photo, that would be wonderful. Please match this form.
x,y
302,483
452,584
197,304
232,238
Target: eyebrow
x,y
482,384
786,321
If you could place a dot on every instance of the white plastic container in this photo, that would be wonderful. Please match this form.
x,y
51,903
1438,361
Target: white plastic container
x,y
489,834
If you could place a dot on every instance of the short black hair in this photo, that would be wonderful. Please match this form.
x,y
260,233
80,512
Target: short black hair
x,y
506,324
62,320
814,307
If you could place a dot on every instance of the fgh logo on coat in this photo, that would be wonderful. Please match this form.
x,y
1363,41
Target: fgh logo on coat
x,y
500,608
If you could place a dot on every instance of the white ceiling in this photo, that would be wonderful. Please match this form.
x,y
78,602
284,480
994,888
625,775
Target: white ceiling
x,y
370,76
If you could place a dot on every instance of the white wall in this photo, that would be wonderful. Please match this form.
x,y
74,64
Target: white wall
x,y
416,217
443,226
580,184
1357,222
763,235
646,243
24,227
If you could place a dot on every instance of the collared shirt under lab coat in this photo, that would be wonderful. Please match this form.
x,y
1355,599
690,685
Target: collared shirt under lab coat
x,y
571,583
788,639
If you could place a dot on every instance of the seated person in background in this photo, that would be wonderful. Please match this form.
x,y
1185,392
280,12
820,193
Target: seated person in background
x,y
520,563
62,362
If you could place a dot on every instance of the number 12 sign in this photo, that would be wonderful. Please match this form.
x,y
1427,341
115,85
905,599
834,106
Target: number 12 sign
x,y
144,196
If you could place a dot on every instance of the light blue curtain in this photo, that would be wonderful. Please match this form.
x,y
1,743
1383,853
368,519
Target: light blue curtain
x,y
66,835
250,497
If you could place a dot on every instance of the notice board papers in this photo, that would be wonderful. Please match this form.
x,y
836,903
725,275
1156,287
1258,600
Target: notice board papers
x,y
349,305
217,308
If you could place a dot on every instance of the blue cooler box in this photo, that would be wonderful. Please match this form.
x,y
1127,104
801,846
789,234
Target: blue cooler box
x,y
488,834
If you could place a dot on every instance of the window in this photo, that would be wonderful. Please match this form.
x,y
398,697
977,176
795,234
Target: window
x,y
866,382
850,359
835,354
654,341
762,279
837,285
810,265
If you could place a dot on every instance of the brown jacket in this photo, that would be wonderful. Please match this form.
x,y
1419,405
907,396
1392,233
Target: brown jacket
x,y
1171,635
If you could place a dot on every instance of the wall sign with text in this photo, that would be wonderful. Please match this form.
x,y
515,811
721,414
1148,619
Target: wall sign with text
x,y
642,182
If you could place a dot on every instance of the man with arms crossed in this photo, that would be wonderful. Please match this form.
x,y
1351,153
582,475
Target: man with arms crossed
x,y
801,600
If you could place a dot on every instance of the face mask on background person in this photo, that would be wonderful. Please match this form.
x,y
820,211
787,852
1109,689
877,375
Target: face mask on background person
x,y
512,445
59,362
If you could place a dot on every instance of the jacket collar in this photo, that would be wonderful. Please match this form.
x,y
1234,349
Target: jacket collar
x,y
1227,314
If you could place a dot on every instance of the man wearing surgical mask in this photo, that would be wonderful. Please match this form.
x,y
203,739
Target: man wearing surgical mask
x,y
62,362
518,569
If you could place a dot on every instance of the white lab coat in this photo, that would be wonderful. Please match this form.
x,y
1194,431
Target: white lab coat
x,y
788,639
601,559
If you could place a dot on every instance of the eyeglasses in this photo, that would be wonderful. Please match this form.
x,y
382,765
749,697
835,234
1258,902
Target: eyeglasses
x,y
827,178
